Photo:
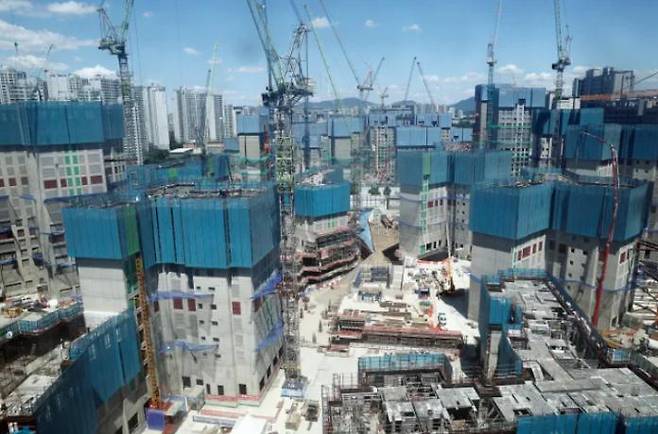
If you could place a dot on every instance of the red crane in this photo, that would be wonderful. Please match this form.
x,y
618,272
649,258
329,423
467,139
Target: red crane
x,y
611,228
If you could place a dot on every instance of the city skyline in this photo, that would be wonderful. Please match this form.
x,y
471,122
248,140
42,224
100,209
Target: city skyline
x,y
369,31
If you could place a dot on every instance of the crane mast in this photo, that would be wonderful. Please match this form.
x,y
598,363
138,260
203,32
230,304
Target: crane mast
x,y
563,60
411,73
427,86
113,39
288,86
487,137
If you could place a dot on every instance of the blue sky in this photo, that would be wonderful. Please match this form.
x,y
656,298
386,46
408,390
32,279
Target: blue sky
x,y
171,41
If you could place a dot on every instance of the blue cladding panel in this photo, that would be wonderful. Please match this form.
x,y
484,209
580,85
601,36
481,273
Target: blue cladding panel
x,y
240,233
406,137
264,220
440,167
231,144
582,146
445,120
434,136
596,423
459,134
345,126
85,123
409,168
60,123
322,201
205,243
250,124
640,425
102,361
509,96
512,213
553,424
99,233
639,142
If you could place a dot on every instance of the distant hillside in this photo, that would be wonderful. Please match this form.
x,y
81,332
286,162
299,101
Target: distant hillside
x,y
345,103
466,105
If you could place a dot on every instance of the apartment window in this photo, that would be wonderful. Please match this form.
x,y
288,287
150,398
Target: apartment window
x,y
215,340
622,257
213,306
208,389
541,246
242,388
201,322
84,180
191,305
519,255
199,382
50,183
178,303
534,248
97,179
12,182
24,180
187,382
526,252
261,385
220,390
2,182
269,371
236,308
214,323
199,306
210,288
430,204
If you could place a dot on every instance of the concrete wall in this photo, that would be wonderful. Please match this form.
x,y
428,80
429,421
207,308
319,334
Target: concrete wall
x,y
104,289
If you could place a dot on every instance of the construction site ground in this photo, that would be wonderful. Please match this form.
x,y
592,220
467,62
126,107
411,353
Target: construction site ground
x,y
320,366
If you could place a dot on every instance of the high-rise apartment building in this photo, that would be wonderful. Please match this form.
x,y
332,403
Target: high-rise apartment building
x,y
603,81
41,166
513,111
151,103
194,109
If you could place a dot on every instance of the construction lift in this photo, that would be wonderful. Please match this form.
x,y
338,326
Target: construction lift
x,y
113,39
487,137
611,229
563,60
288,85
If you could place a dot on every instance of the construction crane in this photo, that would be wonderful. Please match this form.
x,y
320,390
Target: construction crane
x,y
411,73
427,86
113,39
491,63
203,129
563,49
288,85
611,228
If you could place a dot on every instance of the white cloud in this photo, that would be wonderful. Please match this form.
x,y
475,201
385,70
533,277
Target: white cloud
x,y
412,28
29,61
191,51
580,69
320,23
93,71
15,5
71,8
370,23
510,69
248,69
147,14
37,40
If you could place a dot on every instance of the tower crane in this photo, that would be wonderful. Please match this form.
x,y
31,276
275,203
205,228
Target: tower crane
x,y
411,73
288,86
563,53
426,84
611,229
491,63
203,129
113,39
563,60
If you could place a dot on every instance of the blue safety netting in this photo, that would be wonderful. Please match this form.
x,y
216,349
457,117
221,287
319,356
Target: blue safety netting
x,y
101,233
551,423
274,335
269,286
184,345
251,124
170,295
322,200
209,232
639,142
584,142
639,425
56,123
102,361
510,212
